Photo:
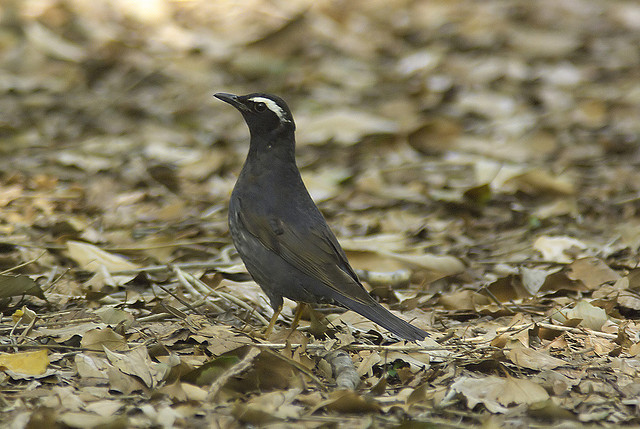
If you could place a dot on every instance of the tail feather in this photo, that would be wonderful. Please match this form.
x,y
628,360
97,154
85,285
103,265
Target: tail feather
x,y
383,317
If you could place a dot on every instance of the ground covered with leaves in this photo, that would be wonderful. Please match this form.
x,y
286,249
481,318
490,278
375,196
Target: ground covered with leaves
x,y
477,160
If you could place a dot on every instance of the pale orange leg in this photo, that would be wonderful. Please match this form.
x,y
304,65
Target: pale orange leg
x,y
296,317
272,322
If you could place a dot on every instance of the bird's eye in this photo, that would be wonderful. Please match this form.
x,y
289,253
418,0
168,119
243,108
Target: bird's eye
x,y
259,107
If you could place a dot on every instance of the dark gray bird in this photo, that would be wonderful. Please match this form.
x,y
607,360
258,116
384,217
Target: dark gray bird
x,y
279,232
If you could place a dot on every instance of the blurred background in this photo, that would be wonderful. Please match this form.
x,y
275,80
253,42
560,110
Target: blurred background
x,y
439,123
107,115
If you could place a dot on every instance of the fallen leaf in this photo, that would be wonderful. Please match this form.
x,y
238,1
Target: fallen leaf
x,y
348,401
534,278
558,249
18,285
89,366
497,393
91,258
79,419
97,339
269,407
591,317
137,363
539,181
593,272
533,359
113,316
28,363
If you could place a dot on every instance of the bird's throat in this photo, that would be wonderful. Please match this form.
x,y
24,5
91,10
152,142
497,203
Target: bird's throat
x,y
272,150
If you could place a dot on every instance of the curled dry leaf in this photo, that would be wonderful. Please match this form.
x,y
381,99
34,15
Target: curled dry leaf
x,y
97,339
94,259
593,272
534,278
535,182
348,401
221,339
24,315
269,407
463,300
113,316
442,264
80,419
533,359
497,394
91,258
591,317
137,363
89,366
558,249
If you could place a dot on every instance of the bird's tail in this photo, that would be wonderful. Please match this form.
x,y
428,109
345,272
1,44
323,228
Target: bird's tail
x,y
383,317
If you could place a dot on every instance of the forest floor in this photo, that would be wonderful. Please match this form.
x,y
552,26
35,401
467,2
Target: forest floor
x,y
478,161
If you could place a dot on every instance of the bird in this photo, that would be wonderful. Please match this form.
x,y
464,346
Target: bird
x,y
279,232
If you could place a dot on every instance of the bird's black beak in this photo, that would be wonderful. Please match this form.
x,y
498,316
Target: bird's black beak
x,y
231,99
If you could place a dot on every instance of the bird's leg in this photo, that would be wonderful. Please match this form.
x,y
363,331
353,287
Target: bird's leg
x,y
272,322
296,318
297,315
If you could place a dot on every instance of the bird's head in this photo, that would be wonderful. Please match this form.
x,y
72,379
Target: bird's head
x,y
265,114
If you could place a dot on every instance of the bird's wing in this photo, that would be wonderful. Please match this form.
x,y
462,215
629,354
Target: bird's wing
x,y
314,250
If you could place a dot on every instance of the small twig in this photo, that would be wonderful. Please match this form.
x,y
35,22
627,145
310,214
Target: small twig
x,y
162,268
520,262
558,328
180,300
186,283
24,264
303,369
242,304
355,347
46,346
496,300
51,281
238,368
24,333
160,316
203,286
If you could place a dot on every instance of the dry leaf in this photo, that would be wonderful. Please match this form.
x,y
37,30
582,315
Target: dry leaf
x,y
348,401
269,407
593,272
591,317
532,359
137,363
89,366
91,258
18,285
97,339
558,249
28,363
497,393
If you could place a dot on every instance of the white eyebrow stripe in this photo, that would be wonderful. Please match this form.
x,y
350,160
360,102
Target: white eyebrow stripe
x,y
273,106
